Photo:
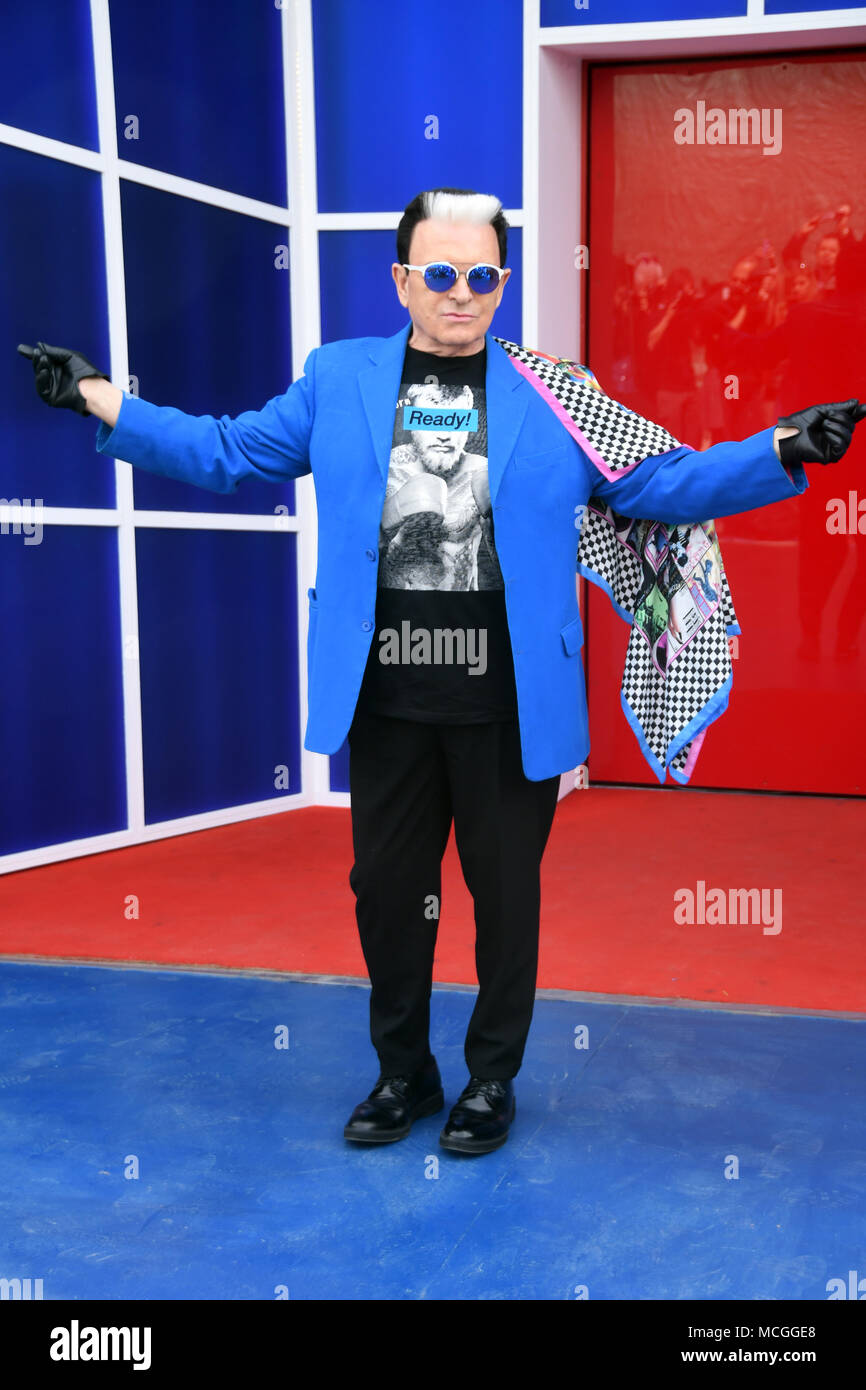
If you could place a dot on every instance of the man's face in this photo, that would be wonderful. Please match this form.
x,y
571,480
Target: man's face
x,y
453,323
741,275
828,251
647,275
439,453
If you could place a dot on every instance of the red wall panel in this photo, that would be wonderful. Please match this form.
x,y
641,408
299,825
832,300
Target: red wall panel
x,y
727,287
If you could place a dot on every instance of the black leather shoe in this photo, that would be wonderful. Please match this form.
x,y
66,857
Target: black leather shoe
x,y
481,1117
393,1105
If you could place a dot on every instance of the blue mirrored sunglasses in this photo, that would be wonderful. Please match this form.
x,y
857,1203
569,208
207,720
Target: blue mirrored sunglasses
x,y
442,275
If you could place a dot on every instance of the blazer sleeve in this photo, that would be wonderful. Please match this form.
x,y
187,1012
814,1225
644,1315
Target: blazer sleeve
x,y
213,452
693,485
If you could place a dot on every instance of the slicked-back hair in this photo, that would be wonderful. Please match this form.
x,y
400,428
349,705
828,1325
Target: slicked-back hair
x,y
452,205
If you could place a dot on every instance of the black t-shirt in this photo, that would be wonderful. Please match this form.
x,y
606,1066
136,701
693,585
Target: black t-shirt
x,y
441,652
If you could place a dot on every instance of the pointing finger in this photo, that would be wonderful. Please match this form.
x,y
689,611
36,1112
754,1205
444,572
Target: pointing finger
x,y
838,407
56,354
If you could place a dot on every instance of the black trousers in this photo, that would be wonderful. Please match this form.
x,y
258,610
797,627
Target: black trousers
x,y
407,781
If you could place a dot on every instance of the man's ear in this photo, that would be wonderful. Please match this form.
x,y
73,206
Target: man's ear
x,y
398,274
502,283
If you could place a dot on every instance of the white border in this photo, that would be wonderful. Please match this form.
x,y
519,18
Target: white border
x,y
672,32
119,372
25,513
530,174
300,144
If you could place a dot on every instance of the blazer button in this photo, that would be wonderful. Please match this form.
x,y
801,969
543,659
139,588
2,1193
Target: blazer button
x,y
371,554
366,625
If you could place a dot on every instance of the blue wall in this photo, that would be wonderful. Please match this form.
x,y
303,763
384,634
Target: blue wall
x,y
208,308
46,71
410,97
208,324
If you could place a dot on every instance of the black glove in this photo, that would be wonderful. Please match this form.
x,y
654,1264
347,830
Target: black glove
x,y
825,432
58,371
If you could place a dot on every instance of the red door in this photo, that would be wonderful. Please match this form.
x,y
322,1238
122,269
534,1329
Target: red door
x,y
728,286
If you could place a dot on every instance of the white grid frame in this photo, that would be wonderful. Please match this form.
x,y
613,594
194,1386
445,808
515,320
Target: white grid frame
x,y
300,218
552,213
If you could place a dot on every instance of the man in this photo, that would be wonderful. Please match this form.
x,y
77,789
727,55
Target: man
x,y
430,741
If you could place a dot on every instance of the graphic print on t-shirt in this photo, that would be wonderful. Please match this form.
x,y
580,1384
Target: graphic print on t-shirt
x,y
441,650
436,530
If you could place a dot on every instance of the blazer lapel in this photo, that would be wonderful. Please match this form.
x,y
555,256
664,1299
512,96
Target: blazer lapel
x,y
508,397
506,391
380,387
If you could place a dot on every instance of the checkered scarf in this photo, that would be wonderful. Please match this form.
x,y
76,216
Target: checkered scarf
x,y
667,581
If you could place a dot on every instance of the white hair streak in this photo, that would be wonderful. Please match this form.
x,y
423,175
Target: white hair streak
x,y
478,208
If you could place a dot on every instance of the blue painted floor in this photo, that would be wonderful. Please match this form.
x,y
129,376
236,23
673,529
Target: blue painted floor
x,y
612,1181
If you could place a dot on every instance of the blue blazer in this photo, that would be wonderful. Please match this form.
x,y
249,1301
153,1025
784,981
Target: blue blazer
x,y
337,422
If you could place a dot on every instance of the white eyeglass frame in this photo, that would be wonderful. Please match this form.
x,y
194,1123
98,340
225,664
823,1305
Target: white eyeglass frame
x,y
484,265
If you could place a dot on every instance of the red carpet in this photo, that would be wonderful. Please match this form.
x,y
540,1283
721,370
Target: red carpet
x,y
274,894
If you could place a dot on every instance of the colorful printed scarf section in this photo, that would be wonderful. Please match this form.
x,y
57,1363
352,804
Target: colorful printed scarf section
x,y
667,581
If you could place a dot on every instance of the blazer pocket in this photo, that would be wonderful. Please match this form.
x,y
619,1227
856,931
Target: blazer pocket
x,y
572,636
556,455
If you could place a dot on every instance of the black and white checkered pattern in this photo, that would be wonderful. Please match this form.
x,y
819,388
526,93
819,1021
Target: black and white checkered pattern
x,y
619,435
663,704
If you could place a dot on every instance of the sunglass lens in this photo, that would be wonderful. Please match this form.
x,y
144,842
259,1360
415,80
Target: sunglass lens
x,y
483,279
439,277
